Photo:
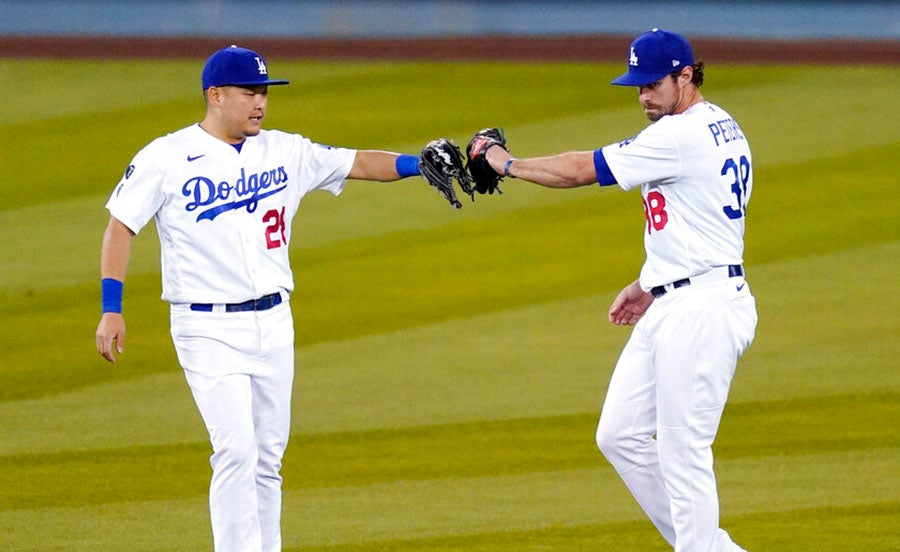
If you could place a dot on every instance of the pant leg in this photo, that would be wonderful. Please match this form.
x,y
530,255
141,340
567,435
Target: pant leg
x,y
219,375
699,341
625,433
272,386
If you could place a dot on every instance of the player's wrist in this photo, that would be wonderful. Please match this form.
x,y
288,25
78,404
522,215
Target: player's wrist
x,y
407,165
111,295
507,166
495,160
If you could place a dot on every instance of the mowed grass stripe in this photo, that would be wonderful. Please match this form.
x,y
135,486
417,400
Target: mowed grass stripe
x,y
549,359
868,527
530,500
378,515
800,530
793,213
620,536
496,448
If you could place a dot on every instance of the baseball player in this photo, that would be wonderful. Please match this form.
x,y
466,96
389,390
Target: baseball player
x,y
692,310
223,194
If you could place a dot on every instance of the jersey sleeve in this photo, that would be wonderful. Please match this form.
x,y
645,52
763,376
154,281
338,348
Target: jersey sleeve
x,y
605,177
325,167
651,156
139,194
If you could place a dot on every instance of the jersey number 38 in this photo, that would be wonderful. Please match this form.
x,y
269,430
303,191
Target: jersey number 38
x,y
737,175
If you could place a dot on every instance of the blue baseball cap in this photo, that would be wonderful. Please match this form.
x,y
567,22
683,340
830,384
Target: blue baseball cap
x,y
654,55
236,66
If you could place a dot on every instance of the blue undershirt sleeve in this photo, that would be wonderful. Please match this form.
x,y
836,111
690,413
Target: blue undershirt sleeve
x,y
604,174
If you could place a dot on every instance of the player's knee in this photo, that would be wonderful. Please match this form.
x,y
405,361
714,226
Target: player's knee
x,y
235,457
610,438
621,444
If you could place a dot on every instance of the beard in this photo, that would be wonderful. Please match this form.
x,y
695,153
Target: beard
x,y
655,112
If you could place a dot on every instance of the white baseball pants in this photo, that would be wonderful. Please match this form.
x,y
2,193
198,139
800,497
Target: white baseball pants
x,y
664,404
240,368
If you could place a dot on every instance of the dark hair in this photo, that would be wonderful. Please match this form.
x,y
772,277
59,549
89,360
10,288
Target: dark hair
x,y
697,79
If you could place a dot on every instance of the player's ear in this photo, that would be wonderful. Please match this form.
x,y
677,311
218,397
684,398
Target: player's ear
x,y
212,95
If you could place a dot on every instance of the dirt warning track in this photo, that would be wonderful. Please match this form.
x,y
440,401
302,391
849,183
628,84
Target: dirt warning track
x,y
586,48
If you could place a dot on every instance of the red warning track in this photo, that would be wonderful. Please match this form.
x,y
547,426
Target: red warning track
x,y
587,48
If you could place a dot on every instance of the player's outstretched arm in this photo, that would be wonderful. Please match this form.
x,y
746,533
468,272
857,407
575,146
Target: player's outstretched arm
x,y
439,163
490,161
631,303
114,256
564,170
376,165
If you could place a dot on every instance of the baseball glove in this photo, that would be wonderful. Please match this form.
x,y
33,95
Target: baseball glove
x,y
440,162
485,177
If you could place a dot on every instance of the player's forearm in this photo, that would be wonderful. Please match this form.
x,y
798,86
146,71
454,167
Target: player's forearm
x,y
565,170
116,250
380,166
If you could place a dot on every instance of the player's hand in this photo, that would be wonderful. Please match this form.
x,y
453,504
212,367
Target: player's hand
x,y
628,307
485,177
441,163
111,335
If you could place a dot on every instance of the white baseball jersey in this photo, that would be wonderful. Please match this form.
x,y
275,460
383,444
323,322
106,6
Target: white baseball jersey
x,y
223,215
695,178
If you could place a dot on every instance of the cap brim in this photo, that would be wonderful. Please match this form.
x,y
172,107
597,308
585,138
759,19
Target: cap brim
x,y
637,79
259,83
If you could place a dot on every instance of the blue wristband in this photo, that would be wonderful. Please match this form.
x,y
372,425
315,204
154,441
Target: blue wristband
x,y
111,295
506,167
407,165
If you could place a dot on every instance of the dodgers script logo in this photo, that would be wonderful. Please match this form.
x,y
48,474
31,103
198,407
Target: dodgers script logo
x,y
224,196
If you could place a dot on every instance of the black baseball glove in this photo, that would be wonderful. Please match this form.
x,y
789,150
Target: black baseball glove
x,y
485,177
440,162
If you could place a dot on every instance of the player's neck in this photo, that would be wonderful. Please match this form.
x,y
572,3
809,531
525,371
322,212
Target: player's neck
x,y
691,97
216,131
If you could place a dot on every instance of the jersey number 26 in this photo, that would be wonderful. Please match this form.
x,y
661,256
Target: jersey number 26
x,y
275,231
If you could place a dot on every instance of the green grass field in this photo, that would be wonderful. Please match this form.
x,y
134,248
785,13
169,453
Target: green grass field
x,y
451,364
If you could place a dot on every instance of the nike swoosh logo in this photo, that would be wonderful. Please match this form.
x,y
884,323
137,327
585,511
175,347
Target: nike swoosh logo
x,y
195,157
740,287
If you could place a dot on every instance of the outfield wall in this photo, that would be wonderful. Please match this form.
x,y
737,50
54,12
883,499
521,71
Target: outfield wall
x,y
795,32
856,20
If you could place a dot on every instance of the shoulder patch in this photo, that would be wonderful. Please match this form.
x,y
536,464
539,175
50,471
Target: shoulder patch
x,y
627,141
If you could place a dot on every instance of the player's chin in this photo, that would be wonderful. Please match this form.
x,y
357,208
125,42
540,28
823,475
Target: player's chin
x,y
653,114
253,124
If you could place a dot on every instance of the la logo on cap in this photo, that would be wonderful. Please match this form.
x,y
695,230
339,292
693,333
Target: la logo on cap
x,y
262,66
235,66
660,52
